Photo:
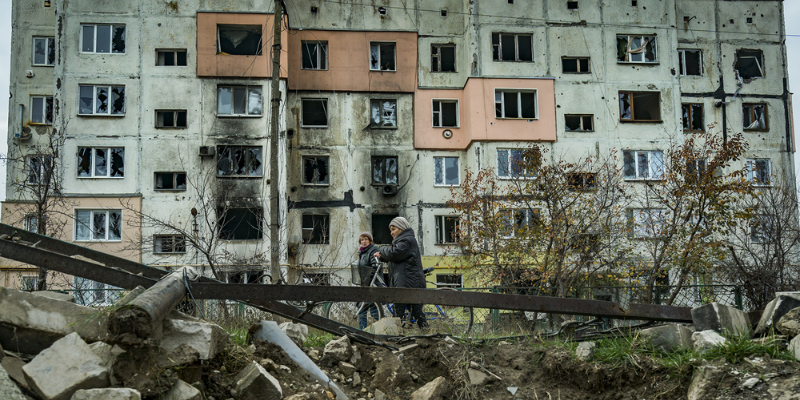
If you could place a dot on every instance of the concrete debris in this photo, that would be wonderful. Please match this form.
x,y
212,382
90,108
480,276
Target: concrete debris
x,y
108,354
64,368
295,331
205,337
722,319
669,337
706,340
585,351
380,395
478,377
337,350
794,347
107,394
356,379
54,295
512,390
390,373
437,389
182,391
406,348
789,324
255,383
13,367
775,309
391,326
347,368
8,390
152,370
704,381
750,383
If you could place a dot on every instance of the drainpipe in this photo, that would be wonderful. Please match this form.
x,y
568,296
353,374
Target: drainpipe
x,y
21,122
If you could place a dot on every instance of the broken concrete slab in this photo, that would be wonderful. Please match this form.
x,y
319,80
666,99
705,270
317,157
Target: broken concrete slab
x,y
794,347
706,340
789,324
108,354
64,368
669,337
9,390
704,381
296,331
775,309
255,383
13,366
347,368
337,350
477,377
107,394
389,373
152,370
392,326
437,389
585,350
182,391
722,319
54,295
205,337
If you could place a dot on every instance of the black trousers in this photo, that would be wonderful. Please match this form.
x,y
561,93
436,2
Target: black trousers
x,y
416,313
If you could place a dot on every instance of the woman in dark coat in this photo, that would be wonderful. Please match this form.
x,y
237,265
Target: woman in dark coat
x,y
368,265
405,265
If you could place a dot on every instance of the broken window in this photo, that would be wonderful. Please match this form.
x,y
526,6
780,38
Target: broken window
x,y
170,181
42,110
443,58
99,225
750,63
380,228
692,116
511,163
315,170
102,39
640,106
240,223
575,65
384,170
251,277
169,244
239,40
171,119
102,100
759,171
384,113
315,112
382,56
40,169
646,222
515,104
576,122
316,229
171,58
512,47
572,5
581,180
761,227
690,62
754,116
643,165
239,161
445,113
44,51
446,229
514,223
445,171
101,162
30,222
314,55
239,100
636,49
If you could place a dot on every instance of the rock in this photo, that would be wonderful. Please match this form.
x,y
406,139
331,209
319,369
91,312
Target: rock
x,y
751,382
297,331
54,295
337,350
704,381
182,391
706,340
108,354
390,373
107,394
477,377
380,395
151,370
346,368
255,383
786,388
300,396
585,350
669,337
391,326
789,324
13,367
9,390
436,389
205,337
721,319
775,309
794,347
356,379
314,354
64,368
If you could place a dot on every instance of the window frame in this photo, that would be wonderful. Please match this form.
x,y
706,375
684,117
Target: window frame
x,y
175,175
577,64
110,89
110,151
177,239
384,170
436,52
174,55
259,50
232,90
41,174
499,46
25,282
582,122
259,173
320,45
751,164
519,93
759,235
30,222
654,173
315,181
631,94
690,118
759,62
509,164
441,229
380,44
224,218
381,104
653,225
442,161
91,227
644,53
682,62
588,181
49,46
752,111
175,119
508,220
110,42
47,102
325,227
323,102
440,113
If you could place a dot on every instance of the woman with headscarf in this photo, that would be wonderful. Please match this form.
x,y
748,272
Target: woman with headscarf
x,y
368,266
405,265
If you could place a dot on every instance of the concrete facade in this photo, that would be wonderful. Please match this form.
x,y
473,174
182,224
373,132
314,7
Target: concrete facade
x,y
328,193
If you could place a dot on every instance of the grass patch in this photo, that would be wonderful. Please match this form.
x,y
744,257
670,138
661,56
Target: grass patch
x,y
736,348
317,339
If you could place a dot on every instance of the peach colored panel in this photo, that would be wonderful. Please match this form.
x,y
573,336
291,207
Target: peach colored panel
x,y
211,64
348,62
477,120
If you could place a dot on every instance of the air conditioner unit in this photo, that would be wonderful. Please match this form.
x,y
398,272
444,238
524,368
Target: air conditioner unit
x,y
206,151
389,190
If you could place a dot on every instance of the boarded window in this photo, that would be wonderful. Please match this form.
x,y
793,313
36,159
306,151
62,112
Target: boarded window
x,y
754,116
445,171
239,161
239,40
512,47
515,104
382,56
384,170
315,170
645,165
315,112
316,228
171,119
692,116
384,113
575,122
101,162
443,58
170,181
445,113
636,49
750,63
314,55
171,58
240,223
575,65
640,106
690,62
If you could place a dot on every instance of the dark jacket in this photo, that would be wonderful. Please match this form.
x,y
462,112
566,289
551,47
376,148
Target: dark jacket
x,y
367,265
405,268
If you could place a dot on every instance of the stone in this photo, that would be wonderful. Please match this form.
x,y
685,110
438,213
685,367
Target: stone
x,y
789,324
347,368
152,370
391,326
794,347
706,340
337,350
296,331
255,383
107,394
314,354
669,337
477,377
436,389
721,319
300,396
390,373
750,383
8,389
585,350
356,379
182,391
205,337
380,395
67,366
785,388
54,295
13,367
775,309
704,381
108,354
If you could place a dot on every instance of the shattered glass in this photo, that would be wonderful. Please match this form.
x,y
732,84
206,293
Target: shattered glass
x,y
102,100
180,181
451,170
114,225
98,225
243,40
118,41
624,106
629,165
697,117
84,162
39,49
83,220
374,56
254,103
118,100
643,170
100,162
48,110
572,122
254,161
239,161
118,162
224,167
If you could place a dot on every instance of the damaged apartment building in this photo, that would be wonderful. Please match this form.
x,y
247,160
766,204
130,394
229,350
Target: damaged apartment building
x,y
164,111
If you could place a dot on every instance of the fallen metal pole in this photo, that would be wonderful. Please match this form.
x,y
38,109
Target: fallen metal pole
x,y
140,318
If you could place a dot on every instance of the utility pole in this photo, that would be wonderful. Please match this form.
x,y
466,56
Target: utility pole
x,y
274,192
